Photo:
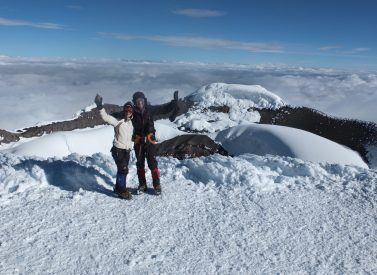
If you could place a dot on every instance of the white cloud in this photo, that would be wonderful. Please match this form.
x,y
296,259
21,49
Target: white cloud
x,y
36,90
199,13
21,23
74,7
329,48
336,50
357,50
202,42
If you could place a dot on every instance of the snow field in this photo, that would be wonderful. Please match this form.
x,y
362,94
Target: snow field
x,y
217,214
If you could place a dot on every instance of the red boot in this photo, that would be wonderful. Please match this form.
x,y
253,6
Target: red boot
x,y
142,181
156,180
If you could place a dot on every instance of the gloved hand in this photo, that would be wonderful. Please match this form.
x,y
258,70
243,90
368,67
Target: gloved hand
x,y
151,138
98,101
175,102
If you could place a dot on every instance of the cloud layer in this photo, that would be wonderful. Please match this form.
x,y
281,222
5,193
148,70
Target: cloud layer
x,y
199,13
38,90
22,23
201,42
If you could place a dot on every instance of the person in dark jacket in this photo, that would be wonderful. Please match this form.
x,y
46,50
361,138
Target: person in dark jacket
x,y
144,142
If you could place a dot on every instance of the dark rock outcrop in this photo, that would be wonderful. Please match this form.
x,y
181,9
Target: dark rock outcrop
x,y
187,146
84,120
8,137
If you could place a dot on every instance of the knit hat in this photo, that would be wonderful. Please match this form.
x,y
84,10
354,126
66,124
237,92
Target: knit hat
x,y
128,106
138,95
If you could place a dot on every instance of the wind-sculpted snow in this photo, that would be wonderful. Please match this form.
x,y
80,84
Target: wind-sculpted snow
x,y
285,141
248,214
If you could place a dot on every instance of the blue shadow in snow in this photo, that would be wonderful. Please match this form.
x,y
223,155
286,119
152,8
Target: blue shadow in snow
x,y
69,175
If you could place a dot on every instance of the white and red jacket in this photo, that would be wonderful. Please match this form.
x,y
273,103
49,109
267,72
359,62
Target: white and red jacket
x,y
123,130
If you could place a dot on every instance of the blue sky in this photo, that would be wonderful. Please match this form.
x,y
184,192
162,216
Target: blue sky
x,y
298,32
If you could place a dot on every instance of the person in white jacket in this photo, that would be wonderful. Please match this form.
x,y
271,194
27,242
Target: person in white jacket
x,y
122,144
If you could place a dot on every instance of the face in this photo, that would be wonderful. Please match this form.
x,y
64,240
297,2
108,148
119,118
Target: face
x,y
128,112
140,103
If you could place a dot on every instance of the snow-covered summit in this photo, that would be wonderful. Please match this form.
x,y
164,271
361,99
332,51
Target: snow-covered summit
x,y
239,99
236,95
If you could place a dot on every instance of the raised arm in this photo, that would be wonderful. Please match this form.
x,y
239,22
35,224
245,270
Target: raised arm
x,y
171,109
104,115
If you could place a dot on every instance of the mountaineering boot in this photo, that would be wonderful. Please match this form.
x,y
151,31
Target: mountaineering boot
x,y
157,189
142,181
156,181
120,187
125,194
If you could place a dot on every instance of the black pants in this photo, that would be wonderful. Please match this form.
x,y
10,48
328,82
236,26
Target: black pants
x,y
145,151
121,158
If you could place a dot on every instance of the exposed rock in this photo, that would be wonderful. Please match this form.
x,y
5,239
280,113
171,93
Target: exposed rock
x,y
188,146
84,120
218,109
7,137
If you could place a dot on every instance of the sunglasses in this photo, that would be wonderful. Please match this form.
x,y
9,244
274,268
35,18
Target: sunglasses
x,y
129,110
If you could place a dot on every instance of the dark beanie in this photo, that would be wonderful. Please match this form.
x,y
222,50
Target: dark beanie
x,y
128,104
138,95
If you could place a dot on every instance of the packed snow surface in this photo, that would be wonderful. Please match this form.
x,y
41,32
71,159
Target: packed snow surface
x,y
285,141
248,214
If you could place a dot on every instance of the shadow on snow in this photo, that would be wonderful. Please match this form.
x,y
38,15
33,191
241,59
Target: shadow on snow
x,y
69,175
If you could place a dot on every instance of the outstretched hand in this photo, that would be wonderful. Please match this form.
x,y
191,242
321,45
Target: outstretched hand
x,y
98,101
175,103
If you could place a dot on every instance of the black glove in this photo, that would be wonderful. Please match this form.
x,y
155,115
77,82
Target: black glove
x,y
98,101
175,107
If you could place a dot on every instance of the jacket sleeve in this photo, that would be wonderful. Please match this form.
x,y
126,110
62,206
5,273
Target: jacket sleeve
x,y
172,109
150,127
163,110
107,118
